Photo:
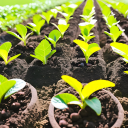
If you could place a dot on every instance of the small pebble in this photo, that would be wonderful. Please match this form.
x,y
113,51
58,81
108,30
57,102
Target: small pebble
x,y
75,116
15,105
89,65
63,123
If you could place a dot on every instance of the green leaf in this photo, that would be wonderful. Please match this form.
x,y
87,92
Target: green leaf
x,y
39,25
18,86
14,34
47,16
61,100
94,86
73,83
22,30
121,49
95,104
36,18
4,55
51,40
111,21
114,33
2,79
14,57
54,12
109,34
63,28
55,35
43,51
5,86
50,54
6,46
93,47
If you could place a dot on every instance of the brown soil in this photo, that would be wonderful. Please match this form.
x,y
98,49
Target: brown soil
x,y
69,60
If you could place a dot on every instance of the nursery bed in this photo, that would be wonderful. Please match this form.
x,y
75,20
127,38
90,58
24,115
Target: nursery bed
x,y
69,60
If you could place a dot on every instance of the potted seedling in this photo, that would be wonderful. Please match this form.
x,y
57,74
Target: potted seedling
x,y
37,24
22,30
63,100
4,50
13,102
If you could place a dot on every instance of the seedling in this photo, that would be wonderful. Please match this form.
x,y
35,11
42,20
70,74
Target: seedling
x,y
53,37
54,12
62,101
47,16
105,9
37,24
22,30
69,9
85,31
111,21
9,87
62,26
121,49
4,50
114,33
43,51
88,16
67,17
88,11
87,49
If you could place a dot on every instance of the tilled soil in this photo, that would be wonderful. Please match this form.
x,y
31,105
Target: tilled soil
x,y
68,60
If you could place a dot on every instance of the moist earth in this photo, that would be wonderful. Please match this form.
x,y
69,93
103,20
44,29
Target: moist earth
x,y
68,60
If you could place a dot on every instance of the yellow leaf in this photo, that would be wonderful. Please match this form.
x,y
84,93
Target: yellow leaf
x,y
4,55
94,86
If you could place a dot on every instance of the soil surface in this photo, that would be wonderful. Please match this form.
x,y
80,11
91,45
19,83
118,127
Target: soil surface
x,y
68,60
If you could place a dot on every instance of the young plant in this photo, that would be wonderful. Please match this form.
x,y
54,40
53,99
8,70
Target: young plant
x,y
8,87
4,50
105,9
88,16
121,49
22,30
43,51
69,9
53,37
62,101
54,12
62,26
47,16
85,31
111,21
87,49
114,33
37,24
67,16
88,11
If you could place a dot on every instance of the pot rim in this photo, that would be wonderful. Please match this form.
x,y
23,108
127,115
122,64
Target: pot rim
x,y
33,101
117,124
